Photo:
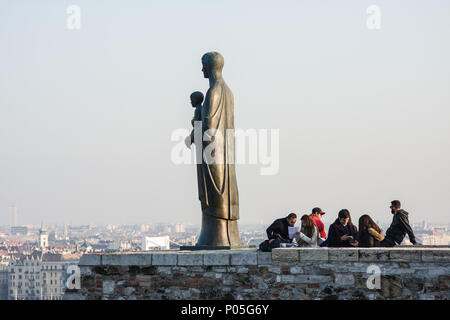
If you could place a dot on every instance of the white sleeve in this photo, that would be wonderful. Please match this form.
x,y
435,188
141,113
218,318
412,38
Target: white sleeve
x,y
308,240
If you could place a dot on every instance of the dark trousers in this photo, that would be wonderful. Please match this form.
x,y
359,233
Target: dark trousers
x,y
387,242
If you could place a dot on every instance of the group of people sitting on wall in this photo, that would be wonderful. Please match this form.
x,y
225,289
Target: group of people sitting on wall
x,y
342,233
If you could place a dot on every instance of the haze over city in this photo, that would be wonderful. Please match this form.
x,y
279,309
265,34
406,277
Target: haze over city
x,y
86,116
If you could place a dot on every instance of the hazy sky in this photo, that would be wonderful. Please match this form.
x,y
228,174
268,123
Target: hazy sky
x,y
86,115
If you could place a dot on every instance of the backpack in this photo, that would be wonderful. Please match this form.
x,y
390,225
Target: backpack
x,y
265,246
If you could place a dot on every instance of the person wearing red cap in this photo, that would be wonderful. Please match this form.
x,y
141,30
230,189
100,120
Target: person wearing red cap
x,y
316,215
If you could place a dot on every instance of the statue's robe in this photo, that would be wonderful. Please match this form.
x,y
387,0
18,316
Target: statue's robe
x,y
218,190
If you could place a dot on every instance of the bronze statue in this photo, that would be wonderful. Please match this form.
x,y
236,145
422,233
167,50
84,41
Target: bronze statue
x,y
216,177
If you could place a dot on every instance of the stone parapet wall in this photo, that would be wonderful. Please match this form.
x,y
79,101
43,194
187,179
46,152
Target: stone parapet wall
x,y
285,273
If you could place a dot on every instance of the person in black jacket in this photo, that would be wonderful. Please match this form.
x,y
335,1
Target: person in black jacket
x,y
399,227
342,233
279,228
369,232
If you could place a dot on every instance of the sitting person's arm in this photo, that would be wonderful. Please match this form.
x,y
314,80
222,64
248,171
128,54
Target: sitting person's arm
x,y
375,234
301,237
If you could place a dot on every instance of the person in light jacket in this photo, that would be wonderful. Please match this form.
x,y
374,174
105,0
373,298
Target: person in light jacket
x,y
308,236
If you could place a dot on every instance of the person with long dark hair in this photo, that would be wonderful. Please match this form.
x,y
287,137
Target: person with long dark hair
x,y
369,232
342,233
308,236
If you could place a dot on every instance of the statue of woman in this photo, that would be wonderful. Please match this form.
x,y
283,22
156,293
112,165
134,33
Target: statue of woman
x,y
218,192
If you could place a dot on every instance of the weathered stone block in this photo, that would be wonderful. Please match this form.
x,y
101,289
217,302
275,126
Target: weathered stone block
x,y
128,291
402,255
274,269
221,269
296,270
180,269
73,296
190,259
357,267
216,259
414,284
342,279
244,259
84,270
143,278
264,258
343,254
373,255
394,268
87,281
197,269
164,270
436,255
164,259
209,275
228,280
313,254
242,270
132,259
391,286
312,279
287,279
90,259
108,286
285,254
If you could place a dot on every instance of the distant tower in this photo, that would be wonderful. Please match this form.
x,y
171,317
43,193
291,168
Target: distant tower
x,y
66,232
14,216
43,237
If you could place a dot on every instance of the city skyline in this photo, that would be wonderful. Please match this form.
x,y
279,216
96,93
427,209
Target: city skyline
x,y
87,115
326,218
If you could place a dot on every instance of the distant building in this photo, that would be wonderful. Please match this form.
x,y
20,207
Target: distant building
x,y
85,247
43,237
54,276
432,237
24,281
180,228
3,282
424,225
19,230
119,245
66,232
38,277
14,216
155,243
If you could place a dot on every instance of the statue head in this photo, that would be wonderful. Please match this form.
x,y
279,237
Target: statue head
x,y
196,98
212,64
